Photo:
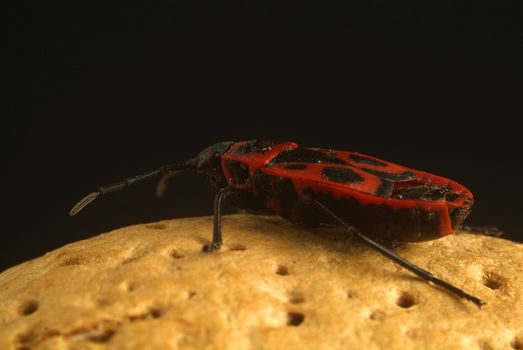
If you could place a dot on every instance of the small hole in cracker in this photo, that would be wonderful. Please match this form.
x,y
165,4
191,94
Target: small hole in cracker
x,y
238,247
282,270
517,343
295,318
296,298
406,300
175,254
493,280
29,307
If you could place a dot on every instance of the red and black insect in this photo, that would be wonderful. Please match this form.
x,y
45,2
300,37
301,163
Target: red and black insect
x,y
375,199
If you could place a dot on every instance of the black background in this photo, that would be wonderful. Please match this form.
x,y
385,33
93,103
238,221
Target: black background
x,y
98,94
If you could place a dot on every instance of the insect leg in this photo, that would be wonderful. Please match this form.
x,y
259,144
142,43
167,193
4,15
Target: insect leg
x,y
399,260
216,242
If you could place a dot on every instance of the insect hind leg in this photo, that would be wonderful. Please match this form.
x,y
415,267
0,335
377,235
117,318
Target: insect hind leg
x,y
426,275
216,242
304,212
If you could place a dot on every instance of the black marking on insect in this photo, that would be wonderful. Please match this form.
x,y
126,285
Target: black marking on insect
x,y
306,155
385,189
296,166
366,160
393,177
341,175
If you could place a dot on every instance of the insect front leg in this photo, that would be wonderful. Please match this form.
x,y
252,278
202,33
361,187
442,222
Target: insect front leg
x,y
426,275
216,242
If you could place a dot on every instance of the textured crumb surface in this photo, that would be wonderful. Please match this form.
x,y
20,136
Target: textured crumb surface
x,y
272,286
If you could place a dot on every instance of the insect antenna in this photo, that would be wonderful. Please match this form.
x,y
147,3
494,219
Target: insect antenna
x,y
166,169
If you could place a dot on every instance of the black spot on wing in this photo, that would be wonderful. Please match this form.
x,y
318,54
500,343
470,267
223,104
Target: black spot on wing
x,y
306,155
341,175
358,158
385,189
426,193
255,146
296,166
393,177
